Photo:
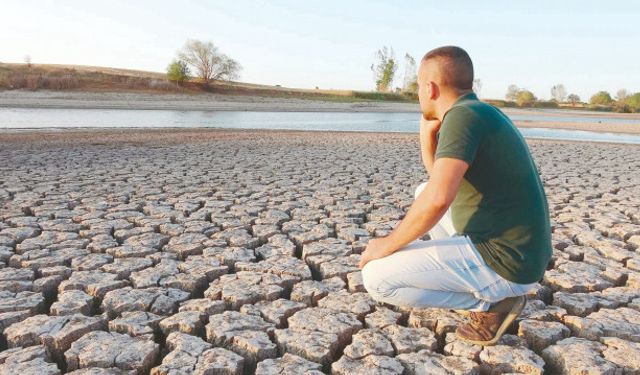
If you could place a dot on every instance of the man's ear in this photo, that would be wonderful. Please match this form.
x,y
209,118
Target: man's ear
x,y
434,90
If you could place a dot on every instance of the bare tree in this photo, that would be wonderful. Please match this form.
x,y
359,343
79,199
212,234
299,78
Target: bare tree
x,y
410,76
477,86
27,60
208,62
559,93
512,92
622,94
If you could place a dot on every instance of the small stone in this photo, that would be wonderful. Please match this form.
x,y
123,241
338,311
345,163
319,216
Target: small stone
x,y
382,317
407,339
580,304
278,311
22,301
358,303
456,347
73,302
427,362
94,283
184,250
354,279
315,346
246,287
130,251
104,349
540,334
623,323
577,356
123,267
343,324
369,365
223,327
310,292
339,266
102,371
253,346
190,354
136,324
29,360
368,342
229,256
288,364
203,305
154,240
161,301
575,277
282,267
55,332
90,262
439,321
624,354
504,359
189,322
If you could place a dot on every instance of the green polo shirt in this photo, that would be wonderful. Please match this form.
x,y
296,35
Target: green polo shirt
x,y
501,204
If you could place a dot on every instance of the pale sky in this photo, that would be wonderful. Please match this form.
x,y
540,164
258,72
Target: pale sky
x,y
586,45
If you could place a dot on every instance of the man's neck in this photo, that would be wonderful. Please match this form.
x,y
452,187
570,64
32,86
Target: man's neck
x,y
447,102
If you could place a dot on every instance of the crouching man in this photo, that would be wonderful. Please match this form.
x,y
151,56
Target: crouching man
x,y
484,207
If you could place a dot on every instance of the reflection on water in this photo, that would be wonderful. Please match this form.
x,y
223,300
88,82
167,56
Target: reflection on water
x,y
16,118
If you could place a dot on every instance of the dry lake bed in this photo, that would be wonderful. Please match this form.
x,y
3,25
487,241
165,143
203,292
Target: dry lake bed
x,y
234,252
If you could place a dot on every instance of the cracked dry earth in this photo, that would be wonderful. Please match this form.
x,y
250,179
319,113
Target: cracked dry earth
x,y
235,252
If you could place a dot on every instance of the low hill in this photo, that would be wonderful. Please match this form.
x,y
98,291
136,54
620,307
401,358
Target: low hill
x,y
94,78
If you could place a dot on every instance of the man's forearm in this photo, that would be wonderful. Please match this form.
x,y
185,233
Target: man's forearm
x,y
414,225
428,144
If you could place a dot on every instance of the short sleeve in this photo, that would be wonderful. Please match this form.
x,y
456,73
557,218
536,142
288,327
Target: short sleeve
x,y
460,135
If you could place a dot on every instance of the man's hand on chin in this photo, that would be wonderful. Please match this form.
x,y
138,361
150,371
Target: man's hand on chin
x,y
376,248
429,126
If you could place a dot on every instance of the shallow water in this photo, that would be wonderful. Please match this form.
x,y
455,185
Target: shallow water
x,y
29,118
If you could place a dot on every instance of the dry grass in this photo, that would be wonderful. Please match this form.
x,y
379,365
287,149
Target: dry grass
x,y
92,78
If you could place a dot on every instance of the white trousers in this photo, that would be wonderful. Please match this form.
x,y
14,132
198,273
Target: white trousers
x,y
446,271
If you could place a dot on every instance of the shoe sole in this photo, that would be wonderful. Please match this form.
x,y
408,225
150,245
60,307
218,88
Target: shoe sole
x,y
516,309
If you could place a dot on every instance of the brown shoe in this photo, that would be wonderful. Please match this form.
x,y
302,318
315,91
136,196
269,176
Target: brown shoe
x,y
486,328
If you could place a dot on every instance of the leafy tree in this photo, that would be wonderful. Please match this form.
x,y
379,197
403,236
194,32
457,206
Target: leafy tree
x,y
477,86
633,101
209,63
385,69
525,98
512,92
178,71
573,99
558,93
601,98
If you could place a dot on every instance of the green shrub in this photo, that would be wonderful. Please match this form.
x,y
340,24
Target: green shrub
x,y
546,104
178,71
383,96
525,98
601,98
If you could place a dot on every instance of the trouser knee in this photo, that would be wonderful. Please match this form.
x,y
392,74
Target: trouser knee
x,y
419,190
371,281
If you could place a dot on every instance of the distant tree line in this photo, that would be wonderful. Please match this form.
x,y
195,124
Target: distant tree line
x,y
602,100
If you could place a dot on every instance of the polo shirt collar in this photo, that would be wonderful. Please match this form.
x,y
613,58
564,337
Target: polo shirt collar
x,y
468,96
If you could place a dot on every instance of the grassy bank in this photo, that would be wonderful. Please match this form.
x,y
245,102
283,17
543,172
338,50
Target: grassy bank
x,y
88,78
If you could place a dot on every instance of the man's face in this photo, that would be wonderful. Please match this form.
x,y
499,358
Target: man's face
x,y
425,89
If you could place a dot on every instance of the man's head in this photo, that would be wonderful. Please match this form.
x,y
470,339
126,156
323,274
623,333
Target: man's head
x,y
444,73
